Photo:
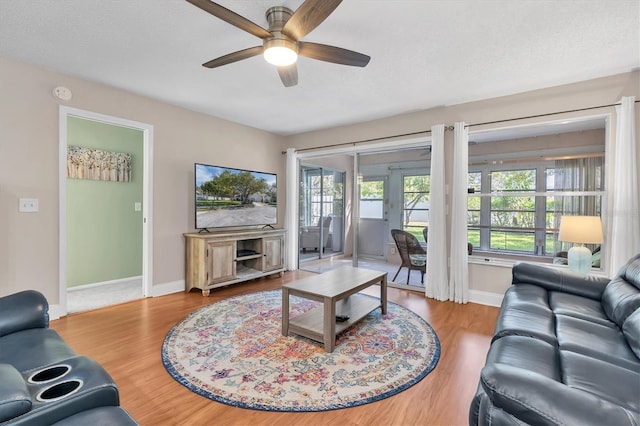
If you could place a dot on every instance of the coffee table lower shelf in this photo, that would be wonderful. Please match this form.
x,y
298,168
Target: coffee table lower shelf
x,y
311,323
337,291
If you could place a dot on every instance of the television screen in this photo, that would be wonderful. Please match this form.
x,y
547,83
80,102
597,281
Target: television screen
x,y
227,197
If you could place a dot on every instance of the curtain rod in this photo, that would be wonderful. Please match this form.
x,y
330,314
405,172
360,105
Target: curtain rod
x,y
365,140
451,127
545,115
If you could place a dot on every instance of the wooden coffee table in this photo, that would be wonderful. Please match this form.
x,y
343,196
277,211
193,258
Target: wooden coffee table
x,y
333,289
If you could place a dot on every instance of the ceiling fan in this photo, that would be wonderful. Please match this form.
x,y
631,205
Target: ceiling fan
x,y
281,43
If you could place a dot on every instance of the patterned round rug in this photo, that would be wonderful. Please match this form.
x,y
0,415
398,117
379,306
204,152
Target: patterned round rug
x,y
233,352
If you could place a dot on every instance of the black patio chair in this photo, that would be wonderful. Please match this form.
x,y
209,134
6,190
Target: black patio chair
x,y
413,256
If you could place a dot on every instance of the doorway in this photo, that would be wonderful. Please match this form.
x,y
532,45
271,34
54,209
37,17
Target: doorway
x,y
104,220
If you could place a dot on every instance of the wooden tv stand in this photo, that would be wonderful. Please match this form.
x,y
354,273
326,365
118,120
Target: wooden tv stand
x,y
218,259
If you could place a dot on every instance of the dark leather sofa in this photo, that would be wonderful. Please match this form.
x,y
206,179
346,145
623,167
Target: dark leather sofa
x,y
42,380
565,351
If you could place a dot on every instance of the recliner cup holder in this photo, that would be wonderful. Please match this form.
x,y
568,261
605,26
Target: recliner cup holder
x,y
49,373
59,390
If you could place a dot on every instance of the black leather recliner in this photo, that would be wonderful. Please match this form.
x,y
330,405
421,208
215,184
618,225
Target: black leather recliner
x,y
565,351
42,380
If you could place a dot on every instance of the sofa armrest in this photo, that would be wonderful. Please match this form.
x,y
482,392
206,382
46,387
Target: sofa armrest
x,y
15,399
536,399
558,280
24,310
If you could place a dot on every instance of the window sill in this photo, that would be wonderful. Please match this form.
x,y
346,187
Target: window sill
x,y
510,260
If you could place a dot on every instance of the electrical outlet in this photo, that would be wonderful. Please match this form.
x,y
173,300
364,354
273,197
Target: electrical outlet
x,y
28,205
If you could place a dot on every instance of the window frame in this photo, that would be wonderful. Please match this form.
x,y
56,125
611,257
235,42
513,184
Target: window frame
x,y
403,198
541,194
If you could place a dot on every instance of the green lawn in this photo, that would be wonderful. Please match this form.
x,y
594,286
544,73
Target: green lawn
x,y
500,240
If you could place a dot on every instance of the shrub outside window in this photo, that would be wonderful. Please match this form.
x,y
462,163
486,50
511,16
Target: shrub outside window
x,y
517,208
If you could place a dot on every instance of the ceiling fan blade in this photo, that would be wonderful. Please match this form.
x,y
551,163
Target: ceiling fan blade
x,y
231,17
234,57
288,75
308,16
337,55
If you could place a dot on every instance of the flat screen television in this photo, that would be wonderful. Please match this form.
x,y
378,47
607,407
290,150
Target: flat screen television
x,y
228,197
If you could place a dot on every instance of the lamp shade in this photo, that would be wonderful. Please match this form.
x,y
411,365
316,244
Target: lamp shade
x,y
580,229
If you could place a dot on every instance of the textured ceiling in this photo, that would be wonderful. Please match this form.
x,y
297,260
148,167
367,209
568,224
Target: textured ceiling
x,y
425,53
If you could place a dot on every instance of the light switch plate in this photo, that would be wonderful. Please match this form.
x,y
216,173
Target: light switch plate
x,y
28,205
137,207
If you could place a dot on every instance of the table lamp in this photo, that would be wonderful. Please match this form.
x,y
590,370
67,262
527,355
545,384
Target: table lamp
x,y
580,230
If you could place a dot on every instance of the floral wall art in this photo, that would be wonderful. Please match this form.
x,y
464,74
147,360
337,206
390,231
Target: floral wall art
x,y
97,164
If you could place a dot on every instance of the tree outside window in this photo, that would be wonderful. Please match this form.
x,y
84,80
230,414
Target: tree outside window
x,y
415,211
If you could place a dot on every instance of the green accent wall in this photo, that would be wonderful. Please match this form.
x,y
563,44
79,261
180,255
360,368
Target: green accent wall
x,y
104,232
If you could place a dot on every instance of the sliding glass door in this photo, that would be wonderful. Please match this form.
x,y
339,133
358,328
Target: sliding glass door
x,y
321,225
373,229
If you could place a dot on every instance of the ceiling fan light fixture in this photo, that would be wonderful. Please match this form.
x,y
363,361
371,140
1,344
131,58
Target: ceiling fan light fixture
x,y
280,52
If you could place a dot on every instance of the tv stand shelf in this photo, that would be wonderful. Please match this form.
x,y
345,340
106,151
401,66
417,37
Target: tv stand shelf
x,y
218,259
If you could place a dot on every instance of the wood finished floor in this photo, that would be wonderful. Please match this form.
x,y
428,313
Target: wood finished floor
x,y
127,339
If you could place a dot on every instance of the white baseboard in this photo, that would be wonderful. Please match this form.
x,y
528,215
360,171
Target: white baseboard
x,y
167,288
55,312
133,280
485,298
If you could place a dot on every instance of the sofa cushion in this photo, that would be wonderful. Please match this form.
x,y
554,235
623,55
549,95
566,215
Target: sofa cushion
x,y
631,331
15,399
595,340
525,312
578,307
620,299
34,348
608,381
528,353
525,294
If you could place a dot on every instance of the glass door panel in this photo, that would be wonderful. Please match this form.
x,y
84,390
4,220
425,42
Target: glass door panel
x,y
372,223
321,223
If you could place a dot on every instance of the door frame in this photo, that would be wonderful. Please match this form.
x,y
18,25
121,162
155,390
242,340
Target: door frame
x,y
385,211
147,194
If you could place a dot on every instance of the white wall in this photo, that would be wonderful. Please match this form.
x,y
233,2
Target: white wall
x,y
602,91
29,168
29,159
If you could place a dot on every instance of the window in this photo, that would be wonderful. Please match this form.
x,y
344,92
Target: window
x,y
517,209
512,213
372,199
473,209
415,209
574,186
321,194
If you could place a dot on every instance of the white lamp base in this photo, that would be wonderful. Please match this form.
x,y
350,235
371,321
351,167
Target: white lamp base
x,y
579,259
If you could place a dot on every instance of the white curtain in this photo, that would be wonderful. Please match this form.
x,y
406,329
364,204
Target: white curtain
x,y
437,282
625,215
459,273
291,214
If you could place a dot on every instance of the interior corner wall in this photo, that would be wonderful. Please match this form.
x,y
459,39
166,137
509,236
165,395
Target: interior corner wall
x,y
574,96
104,230
29,142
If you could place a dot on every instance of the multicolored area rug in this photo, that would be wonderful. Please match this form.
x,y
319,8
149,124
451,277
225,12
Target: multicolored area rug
x,y
233,352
